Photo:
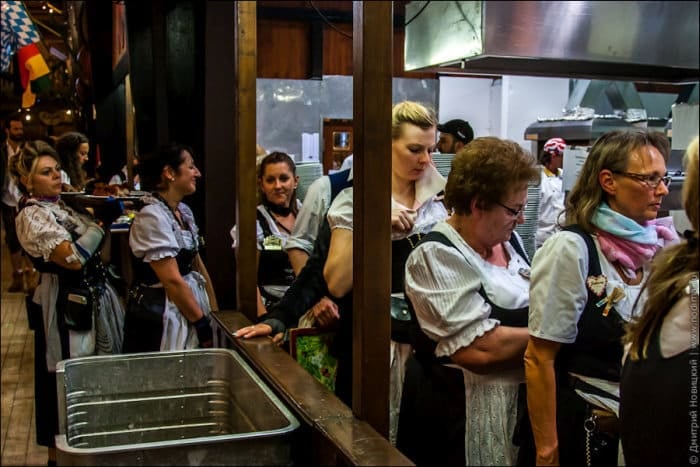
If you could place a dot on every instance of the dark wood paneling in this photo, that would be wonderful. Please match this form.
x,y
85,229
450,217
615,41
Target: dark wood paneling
x,y
284,49
284,40
337,50
372,52
218,129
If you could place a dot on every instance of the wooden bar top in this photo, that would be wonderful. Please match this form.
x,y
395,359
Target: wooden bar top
x,y
357,441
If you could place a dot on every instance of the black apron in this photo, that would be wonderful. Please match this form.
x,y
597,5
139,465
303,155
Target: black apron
x,y
433,394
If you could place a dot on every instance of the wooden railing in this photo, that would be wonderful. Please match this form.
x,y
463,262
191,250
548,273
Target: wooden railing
x,y
331,434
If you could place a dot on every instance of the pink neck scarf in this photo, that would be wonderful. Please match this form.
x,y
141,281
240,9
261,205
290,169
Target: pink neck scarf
x,y
633,255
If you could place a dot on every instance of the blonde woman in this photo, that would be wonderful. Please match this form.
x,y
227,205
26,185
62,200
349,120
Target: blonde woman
x,y
64,244
415,209
585,281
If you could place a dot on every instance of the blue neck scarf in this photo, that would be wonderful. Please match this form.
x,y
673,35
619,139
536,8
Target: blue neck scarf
x,y
623,227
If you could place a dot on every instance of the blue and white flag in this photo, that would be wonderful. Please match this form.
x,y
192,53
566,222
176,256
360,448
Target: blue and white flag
x,y
16,30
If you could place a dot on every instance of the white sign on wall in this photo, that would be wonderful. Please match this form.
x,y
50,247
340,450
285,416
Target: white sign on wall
x,y
574,157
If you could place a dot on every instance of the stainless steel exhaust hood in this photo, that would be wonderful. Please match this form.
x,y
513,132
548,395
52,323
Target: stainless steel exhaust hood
x,y
653,41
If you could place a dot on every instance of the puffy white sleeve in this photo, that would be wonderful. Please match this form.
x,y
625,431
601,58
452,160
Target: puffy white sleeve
x,y
340,212
259,235
558,293
38,231
310,216
444,292
151,236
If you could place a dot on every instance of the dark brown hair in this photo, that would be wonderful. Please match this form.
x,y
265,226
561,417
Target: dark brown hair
x,y
67,147
276,158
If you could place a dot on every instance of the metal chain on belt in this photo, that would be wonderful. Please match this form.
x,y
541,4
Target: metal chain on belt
x,y
589,425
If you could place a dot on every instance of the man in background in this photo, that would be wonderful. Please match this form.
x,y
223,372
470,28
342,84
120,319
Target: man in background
x,y
21,267
454,135
551,189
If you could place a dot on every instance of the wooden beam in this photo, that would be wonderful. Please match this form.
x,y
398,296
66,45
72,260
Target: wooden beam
x,y
245,33
219,134
372,70
160,73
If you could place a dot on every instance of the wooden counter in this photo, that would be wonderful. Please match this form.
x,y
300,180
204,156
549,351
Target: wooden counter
x,y
332,434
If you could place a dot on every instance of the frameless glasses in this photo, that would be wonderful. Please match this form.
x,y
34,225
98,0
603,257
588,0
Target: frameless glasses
x,y
513,212
652,181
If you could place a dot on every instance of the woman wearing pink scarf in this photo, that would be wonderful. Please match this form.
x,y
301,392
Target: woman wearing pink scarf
x,y
585,281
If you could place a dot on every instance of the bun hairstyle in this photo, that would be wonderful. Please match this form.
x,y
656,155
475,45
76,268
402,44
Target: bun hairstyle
x,y
151,165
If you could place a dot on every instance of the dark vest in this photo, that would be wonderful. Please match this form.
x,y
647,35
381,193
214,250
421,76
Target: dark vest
x,y
597,351
145,275
657,408
274,267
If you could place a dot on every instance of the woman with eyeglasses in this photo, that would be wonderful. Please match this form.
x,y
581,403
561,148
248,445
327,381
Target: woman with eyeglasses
x,y
467,283
585,282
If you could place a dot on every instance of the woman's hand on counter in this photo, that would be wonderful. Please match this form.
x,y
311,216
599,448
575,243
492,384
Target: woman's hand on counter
x,y
259,329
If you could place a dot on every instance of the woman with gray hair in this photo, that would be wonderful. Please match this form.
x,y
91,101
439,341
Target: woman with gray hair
x,y
467,282
585,281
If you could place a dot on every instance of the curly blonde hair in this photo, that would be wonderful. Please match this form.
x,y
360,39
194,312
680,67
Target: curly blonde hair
x,y
24,164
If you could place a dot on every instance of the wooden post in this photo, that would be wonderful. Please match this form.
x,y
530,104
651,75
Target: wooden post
x,y
245,75
220,148
130,132
372,73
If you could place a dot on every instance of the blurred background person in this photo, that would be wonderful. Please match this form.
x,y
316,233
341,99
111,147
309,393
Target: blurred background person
x,y
454,135
73,148
122,177
312,215
656,405
468,282
24,276
65,245
171,296
585,281
276,217
551,189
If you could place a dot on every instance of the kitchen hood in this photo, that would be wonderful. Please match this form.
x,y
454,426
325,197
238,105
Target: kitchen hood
x,y
654,41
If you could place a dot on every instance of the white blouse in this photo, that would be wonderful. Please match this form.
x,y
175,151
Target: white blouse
x,y
430,211
443,285
43,226
558,294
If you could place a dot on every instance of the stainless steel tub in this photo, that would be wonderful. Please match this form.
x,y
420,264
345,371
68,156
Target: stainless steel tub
x,y
194,407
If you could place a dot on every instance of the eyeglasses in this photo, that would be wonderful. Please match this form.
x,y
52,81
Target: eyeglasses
x,y
513,212
652,181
